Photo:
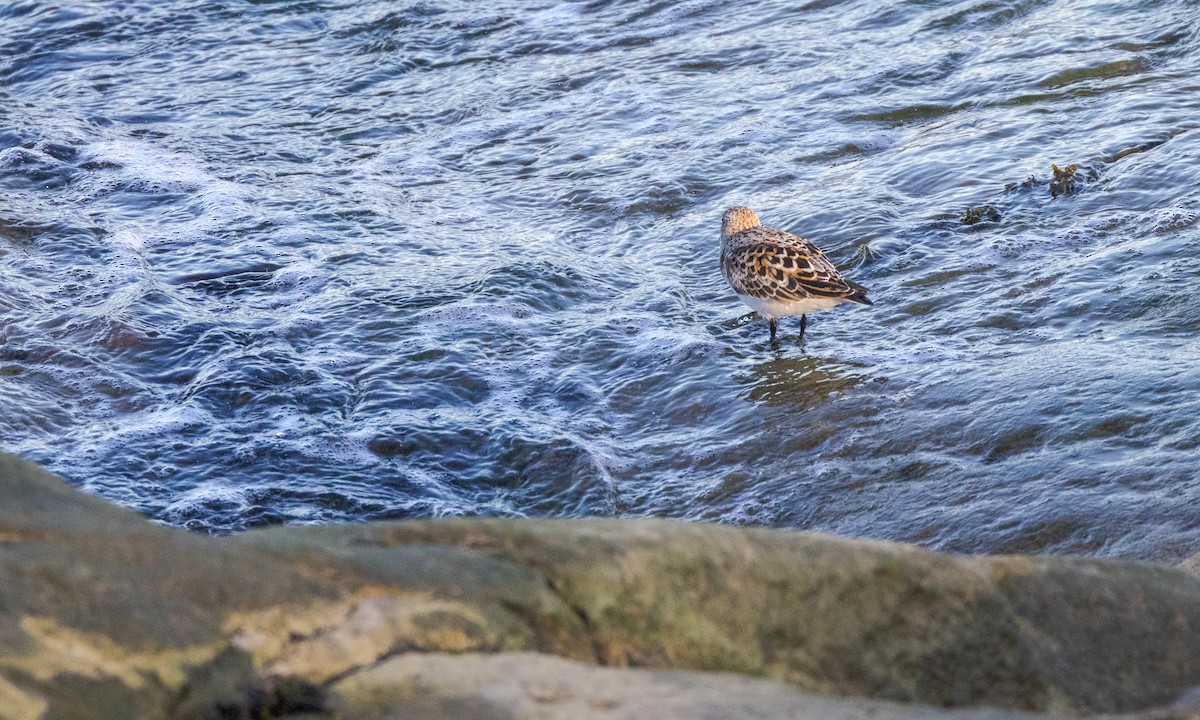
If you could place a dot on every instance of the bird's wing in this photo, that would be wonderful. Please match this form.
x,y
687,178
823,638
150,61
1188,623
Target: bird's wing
x,y
776,264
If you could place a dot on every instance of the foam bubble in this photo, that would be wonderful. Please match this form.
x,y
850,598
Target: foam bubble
x,y
296,275
1174,218
128,242
147,168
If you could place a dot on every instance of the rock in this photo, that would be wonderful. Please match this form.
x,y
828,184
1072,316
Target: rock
x,y
104,612
527,685
105,615
847,617
1190,565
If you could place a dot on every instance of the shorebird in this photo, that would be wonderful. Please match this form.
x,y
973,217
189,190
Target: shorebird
x,y
779,274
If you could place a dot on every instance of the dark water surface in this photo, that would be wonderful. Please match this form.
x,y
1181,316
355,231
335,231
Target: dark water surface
x,y
272,262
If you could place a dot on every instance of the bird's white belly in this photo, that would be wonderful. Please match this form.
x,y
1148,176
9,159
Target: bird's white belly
x,y
770,308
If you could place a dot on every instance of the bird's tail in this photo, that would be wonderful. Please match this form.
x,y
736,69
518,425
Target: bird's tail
x,y
859,295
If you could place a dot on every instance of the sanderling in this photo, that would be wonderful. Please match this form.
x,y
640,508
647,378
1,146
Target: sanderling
x,y
779,274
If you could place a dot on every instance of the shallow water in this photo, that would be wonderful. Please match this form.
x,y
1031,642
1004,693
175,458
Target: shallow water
x,y
273,262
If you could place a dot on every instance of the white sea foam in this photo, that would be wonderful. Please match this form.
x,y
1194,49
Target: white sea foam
x,y
145,168
1174,218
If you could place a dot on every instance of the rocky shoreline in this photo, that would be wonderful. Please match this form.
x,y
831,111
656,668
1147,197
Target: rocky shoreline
x,y
106,615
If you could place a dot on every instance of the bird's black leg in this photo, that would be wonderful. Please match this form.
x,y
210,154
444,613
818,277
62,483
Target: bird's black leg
x,y
803,324
772,321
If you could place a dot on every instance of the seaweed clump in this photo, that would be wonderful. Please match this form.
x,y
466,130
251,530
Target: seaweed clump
x,y
979,214
1063,182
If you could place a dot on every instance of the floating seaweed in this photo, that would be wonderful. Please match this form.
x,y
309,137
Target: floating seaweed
x,y
1063,182
863,256
979,214
866,254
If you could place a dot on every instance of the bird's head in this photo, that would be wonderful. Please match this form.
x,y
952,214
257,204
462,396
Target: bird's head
x,y
737,219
